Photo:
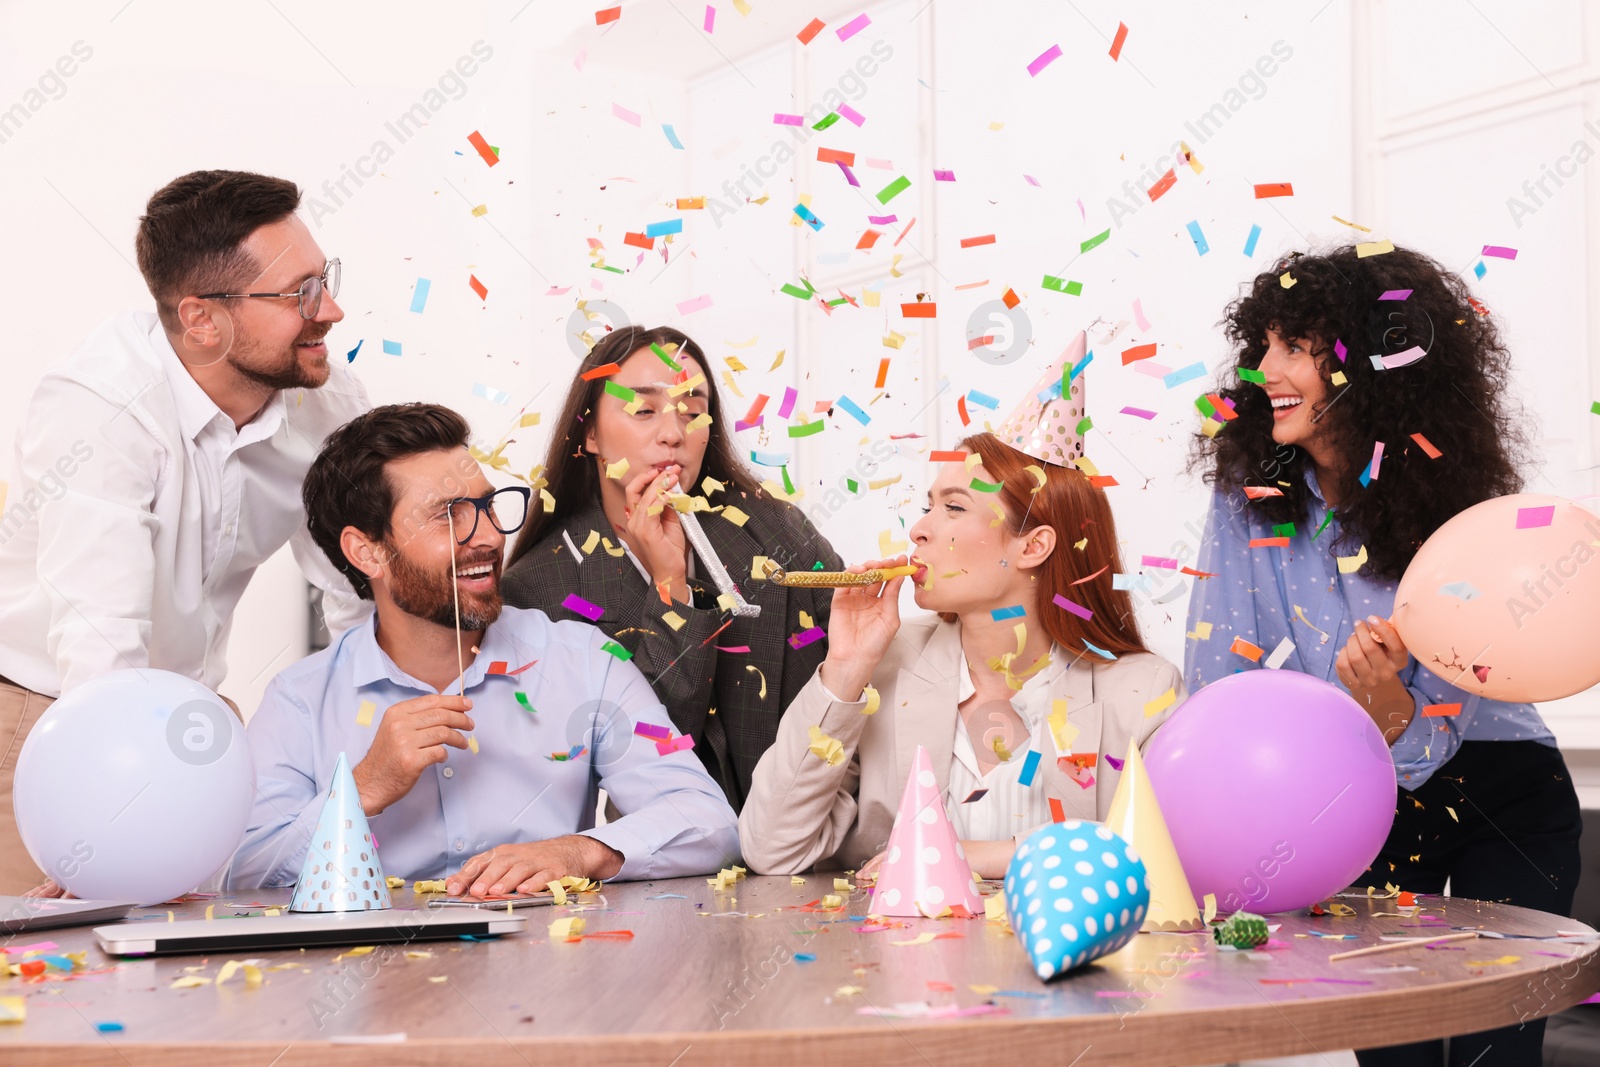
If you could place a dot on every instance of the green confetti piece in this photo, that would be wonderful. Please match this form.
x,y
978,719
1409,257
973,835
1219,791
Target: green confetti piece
x,y
1085,424
1594,408
1242,930
1325,520
894,189
806,430
1062,285
827,120
795,291
788,486
616,650
1285,529
613,270
1248,375
621,392
1206,407
1094,242
836,303
986,487
522,698
1074,288
853,484
662,353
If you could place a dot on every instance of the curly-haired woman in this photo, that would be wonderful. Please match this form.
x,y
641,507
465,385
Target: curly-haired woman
x,y
1367,405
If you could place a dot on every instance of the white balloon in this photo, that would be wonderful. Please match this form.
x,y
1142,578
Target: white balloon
x,y
135,786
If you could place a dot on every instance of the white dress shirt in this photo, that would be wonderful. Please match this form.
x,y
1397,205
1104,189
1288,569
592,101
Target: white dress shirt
x,y
137,513
1008,808
569,698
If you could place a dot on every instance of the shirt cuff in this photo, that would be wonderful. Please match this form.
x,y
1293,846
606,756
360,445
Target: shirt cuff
x,y
829,693
636,854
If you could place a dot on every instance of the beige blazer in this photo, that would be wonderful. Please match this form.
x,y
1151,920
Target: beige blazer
x,y
802,813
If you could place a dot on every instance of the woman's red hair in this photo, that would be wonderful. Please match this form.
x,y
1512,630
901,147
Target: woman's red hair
x,y
1075,509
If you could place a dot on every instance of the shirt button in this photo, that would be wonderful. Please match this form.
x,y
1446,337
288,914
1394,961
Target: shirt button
x,y
460,844
449,772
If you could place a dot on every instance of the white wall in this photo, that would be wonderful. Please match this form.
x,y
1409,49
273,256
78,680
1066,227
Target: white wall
x,y
1373,113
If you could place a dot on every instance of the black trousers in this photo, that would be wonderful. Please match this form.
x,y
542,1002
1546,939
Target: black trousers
x,y
1516,842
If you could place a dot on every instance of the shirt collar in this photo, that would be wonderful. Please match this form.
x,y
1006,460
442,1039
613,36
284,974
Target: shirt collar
x,y
196,409
369,663
1311,484
1041,679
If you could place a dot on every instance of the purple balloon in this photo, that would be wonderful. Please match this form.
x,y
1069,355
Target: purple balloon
x,y
1278,790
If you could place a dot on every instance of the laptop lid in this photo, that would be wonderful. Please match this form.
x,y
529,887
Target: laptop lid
x,y
292,930
22,914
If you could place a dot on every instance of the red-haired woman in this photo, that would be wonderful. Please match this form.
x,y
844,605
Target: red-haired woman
x,y
969,683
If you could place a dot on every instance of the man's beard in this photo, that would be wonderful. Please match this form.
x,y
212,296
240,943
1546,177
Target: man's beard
x,y
430,595
251,361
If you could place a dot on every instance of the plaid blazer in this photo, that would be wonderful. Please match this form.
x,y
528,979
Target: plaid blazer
x,y
729,702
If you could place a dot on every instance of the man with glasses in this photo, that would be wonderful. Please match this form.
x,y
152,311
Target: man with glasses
x,y
479,735
161,463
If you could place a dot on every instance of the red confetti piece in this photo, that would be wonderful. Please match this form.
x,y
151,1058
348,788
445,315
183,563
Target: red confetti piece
x,y
476,140
813,28
607,15
638,240
478,287
1137,352
1272,189
1426,445
1434,711
1116,44
1246,649
925,310
1168,180
974,242
601,372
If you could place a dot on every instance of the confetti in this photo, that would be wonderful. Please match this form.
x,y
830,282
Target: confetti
x,y
1117,42
1532,518
1047,57
577,604
1244,648
828,749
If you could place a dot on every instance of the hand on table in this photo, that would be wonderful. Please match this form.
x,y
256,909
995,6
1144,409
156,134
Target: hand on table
x,y
47,888
531,866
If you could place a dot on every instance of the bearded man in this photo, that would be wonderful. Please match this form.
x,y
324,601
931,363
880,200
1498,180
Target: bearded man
x,y
479,735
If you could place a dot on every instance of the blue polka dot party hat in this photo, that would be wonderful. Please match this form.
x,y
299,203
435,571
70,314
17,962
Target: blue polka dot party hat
x,y
342,871
1075,891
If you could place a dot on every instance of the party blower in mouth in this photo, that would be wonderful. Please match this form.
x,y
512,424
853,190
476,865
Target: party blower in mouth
x,y
833,579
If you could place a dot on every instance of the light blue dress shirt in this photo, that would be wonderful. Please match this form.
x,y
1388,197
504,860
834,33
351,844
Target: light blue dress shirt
x,y
675,819
1254,596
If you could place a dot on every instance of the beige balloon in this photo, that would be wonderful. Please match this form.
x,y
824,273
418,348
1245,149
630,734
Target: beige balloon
x,y
1508,613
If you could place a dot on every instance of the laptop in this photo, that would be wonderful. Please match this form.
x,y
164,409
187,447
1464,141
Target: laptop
x,y
22,914
313,930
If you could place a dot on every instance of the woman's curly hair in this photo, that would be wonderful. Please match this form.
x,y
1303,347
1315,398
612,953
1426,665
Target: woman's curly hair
x,y
1456,397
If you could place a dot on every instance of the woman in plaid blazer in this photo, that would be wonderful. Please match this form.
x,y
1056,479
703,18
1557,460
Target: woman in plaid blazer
x,y
641,429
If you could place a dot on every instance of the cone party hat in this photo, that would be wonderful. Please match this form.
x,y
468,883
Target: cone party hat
x,y
342,871
923,871
1136,817
1045,424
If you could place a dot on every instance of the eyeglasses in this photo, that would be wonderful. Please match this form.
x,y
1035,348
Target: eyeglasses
x,y
309,293
507,510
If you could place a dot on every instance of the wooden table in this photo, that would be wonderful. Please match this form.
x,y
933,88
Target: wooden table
x,y
719,978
